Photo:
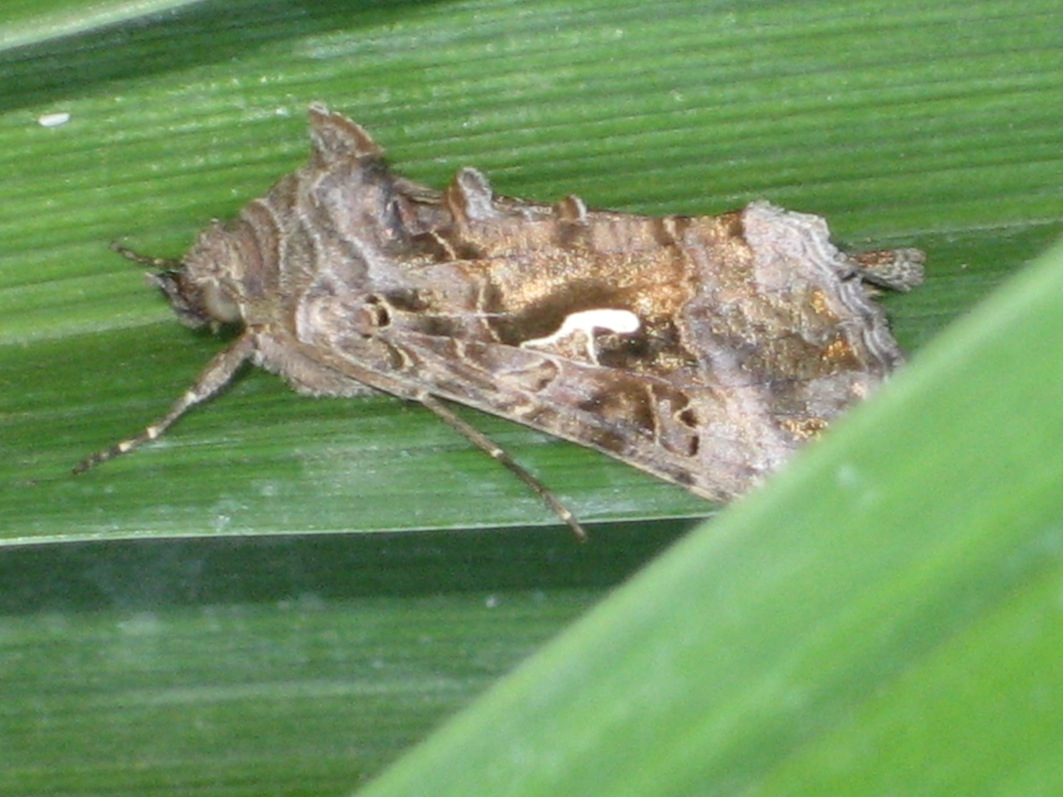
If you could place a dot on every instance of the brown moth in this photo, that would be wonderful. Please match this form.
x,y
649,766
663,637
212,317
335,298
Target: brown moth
x,y
702,349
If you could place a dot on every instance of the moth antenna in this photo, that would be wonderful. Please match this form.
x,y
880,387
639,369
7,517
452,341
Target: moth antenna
x,y
145,260
493,450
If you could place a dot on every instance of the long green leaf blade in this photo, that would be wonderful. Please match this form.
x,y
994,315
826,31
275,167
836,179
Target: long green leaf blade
x,y
254,656
882,619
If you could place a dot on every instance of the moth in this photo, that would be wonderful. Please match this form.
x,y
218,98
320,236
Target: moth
x,y
702,349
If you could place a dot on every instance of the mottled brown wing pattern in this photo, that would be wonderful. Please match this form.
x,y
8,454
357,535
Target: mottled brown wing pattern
x,y
701,349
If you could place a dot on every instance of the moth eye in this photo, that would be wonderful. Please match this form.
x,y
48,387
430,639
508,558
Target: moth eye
x,y
219,305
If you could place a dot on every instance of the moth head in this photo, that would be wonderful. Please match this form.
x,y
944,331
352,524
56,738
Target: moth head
x,y
199,299
204,286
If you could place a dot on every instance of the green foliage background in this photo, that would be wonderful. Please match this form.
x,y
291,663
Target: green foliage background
x,y
882,619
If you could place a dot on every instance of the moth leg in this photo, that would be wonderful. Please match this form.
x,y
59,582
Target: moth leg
x,y
489,447
214,377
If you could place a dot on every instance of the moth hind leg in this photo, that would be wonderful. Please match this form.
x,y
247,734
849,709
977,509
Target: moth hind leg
x,y
488,446
214,377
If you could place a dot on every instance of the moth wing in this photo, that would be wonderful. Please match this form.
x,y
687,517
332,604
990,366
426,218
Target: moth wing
x,y
685,433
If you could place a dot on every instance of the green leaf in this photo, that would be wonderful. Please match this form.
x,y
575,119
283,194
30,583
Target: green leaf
x,y
246,659
882,619
28,22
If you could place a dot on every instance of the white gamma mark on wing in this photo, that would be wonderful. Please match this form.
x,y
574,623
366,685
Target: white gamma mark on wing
x,y
585,322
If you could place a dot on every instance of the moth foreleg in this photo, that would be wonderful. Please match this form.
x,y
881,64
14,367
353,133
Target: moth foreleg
x,y
214,377
492,449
